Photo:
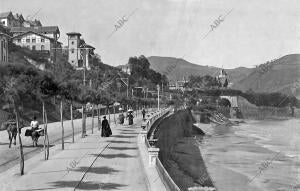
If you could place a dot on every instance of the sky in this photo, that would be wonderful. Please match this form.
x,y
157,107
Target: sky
x,y
252,33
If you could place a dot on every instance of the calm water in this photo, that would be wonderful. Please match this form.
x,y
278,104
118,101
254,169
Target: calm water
x,y
256,155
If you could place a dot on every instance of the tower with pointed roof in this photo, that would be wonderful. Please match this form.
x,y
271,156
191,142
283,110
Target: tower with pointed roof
x,y
223,78
73,51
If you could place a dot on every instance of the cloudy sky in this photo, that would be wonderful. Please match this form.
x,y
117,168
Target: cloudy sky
x,y
254,32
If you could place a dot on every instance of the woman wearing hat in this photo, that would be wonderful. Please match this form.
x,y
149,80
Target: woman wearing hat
x,y
106,131
130,117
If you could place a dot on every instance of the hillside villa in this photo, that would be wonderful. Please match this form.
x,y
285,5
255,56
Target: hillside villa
x,y
79,52
9,20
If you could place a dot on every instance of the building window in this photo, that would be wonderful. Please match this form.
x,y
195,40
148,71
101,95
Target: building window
x,y
42,40
42,47
33,40
72,42
72,50
28,40
33,47
19,40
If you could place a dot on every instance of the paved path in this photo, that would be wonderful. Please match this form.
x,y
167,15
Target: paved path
x,y
9,156
92,163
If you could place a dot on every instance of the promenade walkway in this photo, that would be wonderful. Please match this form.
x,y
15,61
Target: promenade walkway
x,y
91,163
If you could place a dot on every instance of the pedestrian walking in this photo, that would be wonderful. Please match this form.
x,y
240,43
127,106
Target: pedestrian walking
x,y
130,117
106,131
144,113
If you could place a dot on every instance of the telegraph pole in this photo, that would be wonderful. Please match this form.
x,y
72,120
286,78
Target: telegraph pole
x,y
127,84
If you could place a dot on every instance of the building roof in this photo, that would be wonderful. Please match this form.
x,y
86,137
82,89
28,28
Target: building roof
x,y
19,17
36,23
74,33
39,29
87,46
5,14
34,33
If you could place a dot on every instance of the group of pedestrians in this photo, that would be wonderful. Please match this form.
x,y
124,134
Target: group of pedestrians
x,y
105,132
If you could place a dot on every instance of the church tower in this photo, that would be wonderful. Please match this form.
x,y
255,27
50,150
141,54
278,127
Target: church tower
x,y
224,79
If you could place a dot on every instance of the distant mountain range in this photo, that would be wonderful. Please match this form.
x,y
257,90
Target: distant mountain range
x,y
281,75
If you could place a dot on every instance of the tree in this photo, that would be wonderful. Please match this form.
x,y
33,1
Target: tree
x,y
47,89
17,82
85,95
69,89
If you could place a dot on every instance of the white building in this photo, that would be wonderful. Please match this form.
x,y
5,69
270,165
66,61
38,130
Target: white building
x,y
125,68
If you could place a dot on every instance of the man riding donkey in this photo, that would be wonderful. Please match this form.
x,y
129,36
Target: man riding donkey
x,y
34,131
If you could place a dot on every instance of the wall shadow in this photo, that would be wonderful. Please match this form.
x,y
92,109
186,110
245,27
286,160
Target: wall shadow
x,y
123,148
123,136
110,186
113,141
87,185
97,170
111,156
38,146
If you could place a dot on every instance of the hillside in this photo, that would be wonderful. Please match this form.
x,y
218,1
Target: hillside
x,y
279,75
176,69
282,75
60,70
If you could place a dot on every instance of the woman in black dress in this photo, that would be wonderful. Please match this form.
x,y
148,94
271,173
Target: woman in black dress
x,y
106,131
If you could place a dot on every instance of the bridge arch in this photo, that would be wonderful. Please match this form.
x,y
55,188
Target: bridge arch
x,y
232,99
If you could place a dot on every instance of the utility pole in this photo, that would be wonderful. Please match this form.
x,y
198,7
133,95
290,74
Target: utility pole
x,y
126,83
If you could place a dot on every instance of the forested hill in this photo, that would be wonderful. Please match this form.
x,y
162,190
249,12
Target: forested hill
x,y
281,75
177,68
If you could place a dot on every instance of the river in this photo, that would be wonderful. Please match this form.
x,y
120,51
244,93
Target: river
x,y
256,155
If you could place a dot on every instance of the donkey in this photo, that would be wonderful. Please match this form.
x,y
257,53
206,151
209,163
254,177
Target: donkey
x,y
35,137
11,127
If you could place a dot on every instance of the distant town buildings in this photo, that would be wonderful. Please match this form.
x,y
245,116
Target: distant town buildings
x,y
125,68
4,38
33,35
79,52
178,85
9,20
